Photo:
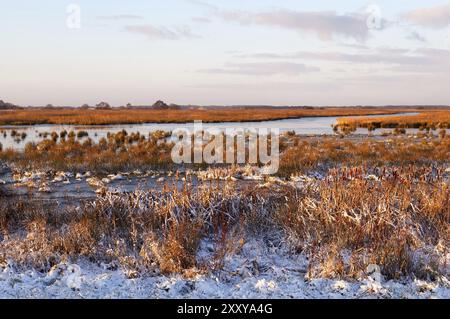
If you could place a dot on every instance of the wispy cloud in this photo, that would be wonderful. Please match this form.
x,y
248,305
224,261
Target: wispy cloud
x,y
168,33
203,4
326,24
397,59
385,55
263,68
122,17
434,61
201,20
415,36
435,17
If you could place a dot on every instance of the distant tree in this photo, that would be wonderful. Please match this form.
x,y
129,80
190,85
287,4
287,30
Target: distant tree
x,y
85,106
49,106
129,105
103,106
6,105
160,105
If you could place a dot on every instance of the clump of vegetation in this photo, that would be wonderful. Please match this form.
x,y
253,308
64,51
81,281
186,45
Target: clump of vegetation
x,y
82,134
54,136
160,135
399,131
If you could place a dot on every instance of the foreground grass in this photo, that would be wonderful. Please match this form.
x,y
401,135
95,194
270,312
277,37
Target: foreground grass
x,y
381,202
399,222
123,116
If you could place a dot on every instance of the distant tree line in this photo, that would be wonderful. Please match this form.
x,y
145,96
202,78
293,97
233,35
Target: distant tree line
x,y
159,105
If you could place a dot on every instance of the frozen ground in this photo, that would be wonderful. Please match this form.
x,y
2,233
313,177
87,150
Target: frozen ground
x,y
254,272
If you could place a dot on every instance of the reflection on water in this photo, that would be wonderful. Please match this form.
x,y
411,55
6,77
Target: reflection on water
x,y
302,126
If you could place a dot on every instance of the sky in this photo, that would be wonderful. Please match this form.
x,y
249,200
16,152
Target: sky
x,y
225,52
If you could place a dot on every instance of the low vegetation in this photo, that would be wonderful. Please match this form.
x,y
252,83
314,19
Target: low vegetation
x,y
425,120
399,223
110,116
325,153
125,151
121,151
374,201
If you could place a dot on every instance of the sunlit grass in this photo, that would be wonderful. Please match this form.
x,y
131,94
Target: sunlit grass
x,y
130,116
425,120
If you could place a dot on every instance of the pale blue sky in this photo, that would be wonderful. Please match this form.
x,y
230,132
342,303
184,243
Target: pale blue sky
x,y
284,52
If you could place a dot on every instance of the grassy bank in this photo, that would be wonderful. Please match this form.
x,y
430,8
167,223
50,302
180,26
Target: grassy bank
x,y
426,120
32,116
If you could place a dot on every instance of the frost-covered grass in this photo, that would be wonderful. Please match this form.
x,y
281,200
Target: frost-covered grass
x,y
255,271
349,234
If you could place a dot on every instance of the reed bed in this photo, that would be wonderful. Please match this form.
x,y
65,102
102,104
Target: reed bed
x,y
31,116
425,120
117,152
399,223
325,153
128,151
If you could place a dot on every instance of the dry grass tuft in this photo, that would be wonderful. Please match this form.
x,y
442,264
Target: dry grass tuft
x,y
346,225
142,230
